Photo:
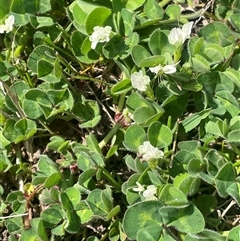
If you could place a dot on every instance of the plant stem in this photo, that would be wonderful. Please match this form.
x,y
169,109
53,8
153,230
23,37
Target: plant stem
x,y
164,3
121,102
109,136
111,179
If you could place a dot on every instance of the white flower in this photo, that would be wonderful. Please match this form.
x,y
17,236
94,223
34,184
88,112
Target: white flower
x,y
2,28
150,192
139,188
177,36
8,26
167,69
100,35
9,23
140,81
147,151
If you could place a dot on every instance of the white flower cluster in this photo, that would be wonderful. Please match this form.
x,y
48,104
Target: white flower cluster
x,y
167,69
100,35
8,25
149,193
178,36
149,152
140,81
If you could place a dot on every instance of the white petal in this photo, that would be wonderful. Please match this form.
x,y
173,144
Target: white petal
x,y
140,81
150,192
2,28
175,36
140,188
9,23
169,69
100,35
186,30
149,152
156,69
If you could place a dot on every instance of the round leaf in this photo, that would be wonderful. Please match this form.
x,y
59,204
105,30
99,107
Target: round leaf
x,y
159,135
134,137
141,215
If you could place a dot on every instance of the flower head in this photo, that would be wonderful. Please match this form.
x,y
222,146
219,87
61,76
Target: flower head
x,y
150,192
177,36
139,188
148,152
140,81
167,69
100,35
8,25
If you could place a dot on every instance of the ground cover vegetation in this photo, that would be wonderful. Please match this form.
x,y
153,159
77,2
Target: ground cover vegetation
x,y
119,120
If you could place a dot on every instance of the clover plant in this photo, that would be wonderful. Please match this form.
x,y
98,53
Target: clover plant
x,y
119,120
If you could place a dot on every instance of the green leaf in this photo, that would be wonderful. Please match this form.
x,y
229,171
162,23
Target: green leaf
x,y
41,52
121,87
234,191
44,68
141,215
211,202
195,166
173,11
217,32
38,226
93,143
186,219
187,184
229,102
153,10
128,21
139,53
134,137
19,131
151,233
134,4
106,197
234,234
233,137
234,20
44,22
207,235
159,135
52,216
52,180
29,235
194,120
96,204
151,61
233,75
158,44
135,100
24,6
195,45
214,53
84,212
225,177
171,196
47,166
100,16
142,114
4,10
200,64
73,222
57,143
214,127
5,164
